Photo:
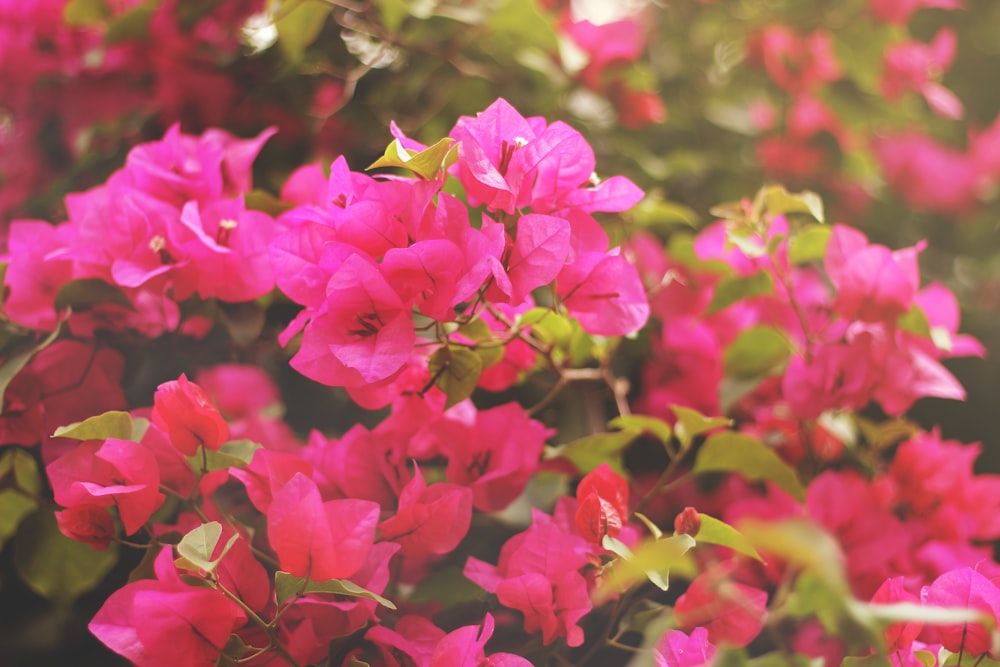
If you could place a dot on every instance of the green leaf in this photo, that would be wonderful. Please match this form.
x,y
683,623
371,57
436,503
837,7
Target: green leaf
x,y
914,612
808,244
133,24
737,288
476,330
299,24
652,425
19,470
288,586
590,451
874,660
85,13
803,544
16,361
447,587
548,326
14,507
780,201
427,164
113,424
691,423
756,351
233,454
393,13
714,531
89,292
262,200
915,321
652,560
55,566
748,456
659,214
518,24
199,545
456,371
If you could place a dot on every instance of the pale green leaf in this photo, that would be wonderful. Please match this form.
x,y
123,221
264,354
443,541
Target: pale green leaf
x,y
590,451
113,424
714,531
427,164
804,545
299,23
456,371
288,586
55,566
659,557
808,244
738,288
748,456
646,424
756,351
691,423
199,544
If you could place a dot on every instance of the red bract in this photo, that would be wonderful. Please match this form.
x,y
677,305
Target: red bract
x,y
316,539
538,575
430,519
159,623
188,416
115,473
604,293
873,283
91,524
966,589
495,455
898,636
676,649
732,613
603,509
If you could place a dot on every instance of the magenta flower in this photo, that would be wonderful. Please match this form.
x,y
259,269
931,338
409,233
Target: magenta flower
x,y
188,416
968,589
113,473
316,539
604,292
677,649
430,519
160,622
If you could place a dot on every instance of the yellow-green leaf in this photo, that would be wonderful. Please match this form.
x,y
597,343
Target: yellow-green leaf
x,y
737,288
590,451
779,201
299,23
804,545
287,586
748,456
427,164
55,566
808,244
691,423
714,531
457,371
755,351
199,544
652,560
113,424
652,425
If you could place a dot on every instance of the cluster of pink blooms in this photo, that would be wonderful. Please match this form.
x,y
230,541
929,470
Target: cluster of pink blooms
x,y
388,270
926,174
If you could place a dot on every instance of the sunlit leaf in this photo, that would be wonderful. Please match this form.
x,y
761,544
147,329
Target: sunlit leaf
x,y
652,560
287,586
113,424
756,351
592,450
739,288
55,566
808,244
456,371
651,425
199,544
802,544
748,456
427,164
714,531
299,23
691,423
